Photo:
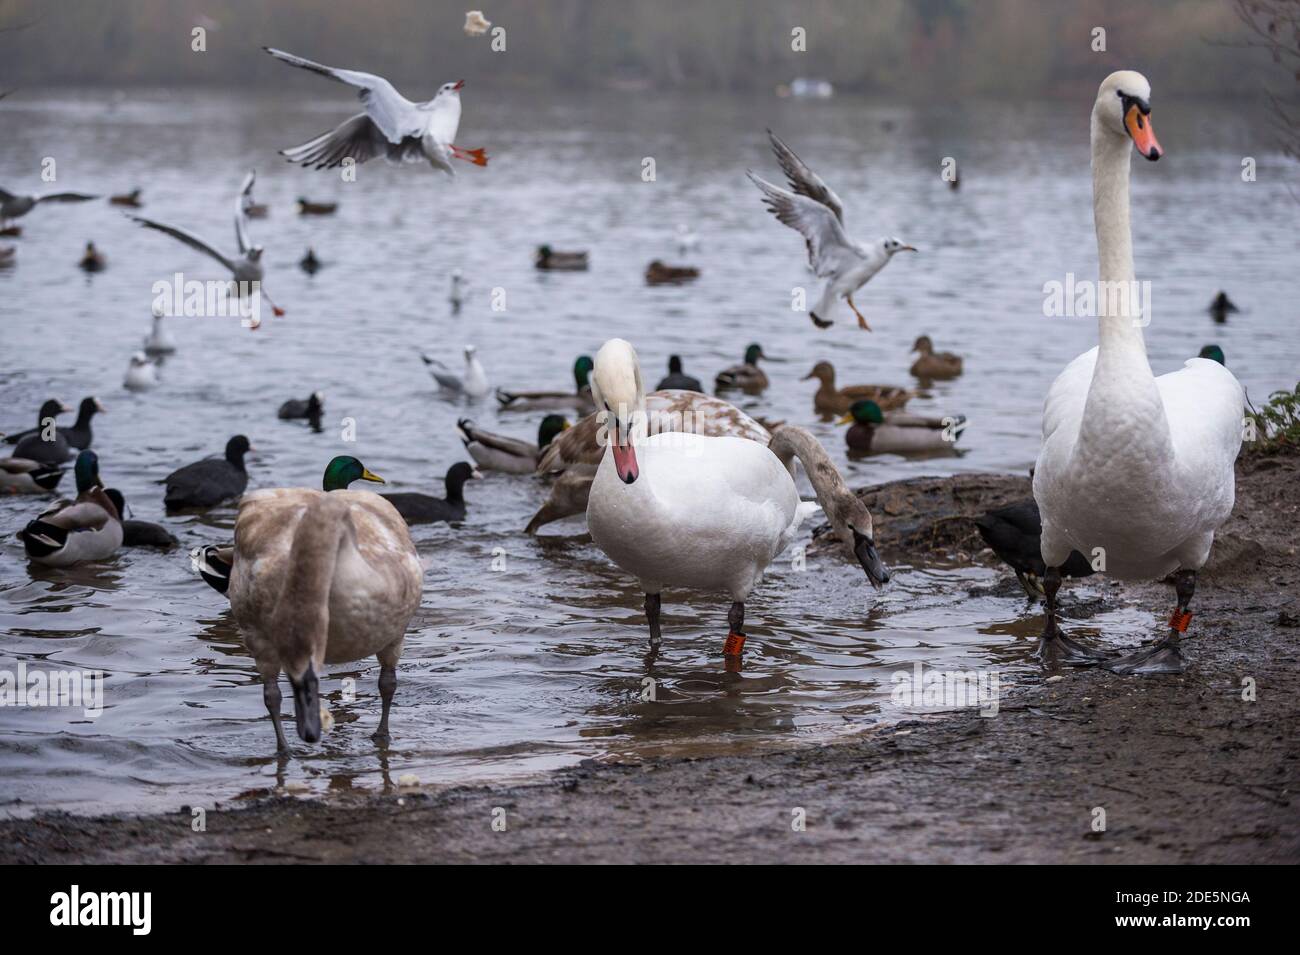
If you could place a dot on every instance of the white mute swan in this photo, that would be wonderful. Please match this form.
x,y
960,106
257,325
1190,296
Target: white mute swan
x,y
1134,469
705,513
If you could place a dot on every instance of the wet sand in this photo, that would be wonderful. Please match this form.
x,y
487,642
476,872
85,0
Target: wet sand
x,y
1184,768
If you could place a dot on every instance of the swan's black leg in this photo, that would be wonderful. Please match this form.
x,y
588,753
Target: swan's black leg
x,y
387,688
1054,645
271,696
652,602
1165,655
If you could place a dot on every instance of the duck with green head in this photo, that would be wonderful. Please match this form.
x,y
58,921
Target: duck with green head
x,y
88,528
496,452
746,376
871,432
551,260
343,470
1214,353
579,399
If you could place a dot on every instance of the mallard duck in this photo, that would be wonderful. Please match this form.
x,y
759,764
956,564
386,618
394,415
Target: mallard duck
x,y
549,259
310,408
874,432
830,400
575,454
8,255
473,383
495,452
1221,306
1214,353
1013,532
657,273
308,208
159,341
1135,467
309,263
92,260
140,533
131,199
141,373
427,509
705,514
25,476
88,528
50,409
579,399
32,445
746,376
211,481
321,577
932,365
676,380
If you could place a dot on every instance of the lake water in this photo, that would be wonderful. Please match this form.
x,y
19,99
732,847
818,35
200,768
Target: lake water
x,y
515,670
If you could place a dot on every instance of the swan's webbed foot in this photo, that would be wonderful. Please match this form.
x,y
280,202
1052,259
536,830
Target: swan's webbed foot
x,y
1054,646
734,645
1165,656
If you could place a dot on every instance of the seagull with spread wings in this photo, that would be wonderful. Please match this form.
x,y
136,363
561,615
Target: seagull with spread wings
x,y
392,126
814,211
14,207
246,267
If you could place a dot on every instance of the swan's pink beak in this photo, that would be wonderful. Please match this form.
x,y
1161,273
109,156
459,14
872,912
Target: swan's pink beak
x,y
1144,137
625,462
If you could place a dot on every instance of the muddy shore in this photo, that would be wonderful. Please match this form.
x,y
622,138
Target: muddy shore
x,y
1185,768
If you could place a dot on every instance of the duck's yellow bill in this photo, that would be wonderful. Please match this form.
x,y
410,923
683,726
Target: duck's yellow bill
x,y
847,419
368,475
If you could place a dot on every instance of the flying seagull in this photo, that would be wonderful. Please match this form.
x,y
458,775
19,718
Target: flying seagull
x,y
15,207
391,126
244,268
816,212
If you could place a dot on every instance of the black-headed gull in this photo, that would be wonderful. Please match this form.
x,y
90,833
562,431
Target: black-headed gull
x,y
247,267
816,213
15,207
473,383
391,126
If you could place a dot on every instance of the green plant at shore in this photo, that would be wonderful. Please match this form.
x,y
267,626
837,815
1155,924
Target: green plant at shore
x,y
1277,424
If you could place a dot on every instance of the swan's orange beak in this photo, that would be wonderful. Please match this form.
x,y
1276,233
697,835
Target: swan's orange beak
x,y
1138,124
625,462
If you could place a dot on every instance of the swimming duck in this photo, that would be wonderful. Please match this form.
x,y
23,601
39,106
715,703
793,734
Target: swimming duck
x,y
677,380
32,444
1135,467
657,273
320,577
473,383
427,509
705,514
93,260
50,409
549,259
1214,353
131,199
8,255
874,432
932,365
495,452
309,263
308,208
210,481
1013,532
1221,306
311,408
141,373
25,476
139,533
830,400
579,399
575,454
159,341
746,376
79,436
88,528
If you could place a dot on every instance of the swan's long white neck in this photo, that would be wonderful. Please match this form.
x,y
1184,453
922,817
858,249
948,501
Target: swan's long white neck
x,y
1123,399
